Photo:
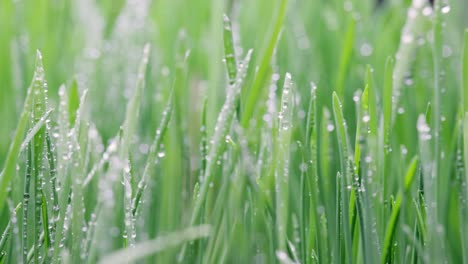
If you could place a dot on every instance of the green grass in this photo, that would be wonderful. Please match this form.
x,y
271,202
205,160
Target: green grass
x,y
233,131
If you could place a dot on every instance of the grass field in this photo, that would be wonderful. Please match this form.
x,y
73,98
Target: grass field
x,y
233,131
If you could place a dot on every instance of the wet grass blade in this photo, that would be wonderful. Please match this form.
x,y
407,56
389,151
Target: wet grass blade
x,y
282,167
9,168
343,143
393,221
153,154
37,127
217,147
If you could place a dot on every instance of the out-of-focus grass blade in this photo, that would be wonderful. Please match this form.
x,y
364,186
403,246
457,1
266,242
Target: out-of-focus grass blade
x,y
255,89
9,168
131,116
229,51
147,248
345,58
392,224
282,167
343,144
465,74
372,105
6,235
73,102
387,100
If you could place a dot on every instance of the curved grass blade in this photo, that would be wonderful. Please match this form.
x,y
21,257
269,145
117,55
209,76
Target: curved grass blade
x,y
35,129
147,248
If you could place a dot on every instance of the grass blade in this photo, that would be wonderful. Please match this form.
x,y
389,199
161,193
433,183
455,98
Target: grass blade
x,y
343,144
257,86
392,224
157,245
9,168
282,166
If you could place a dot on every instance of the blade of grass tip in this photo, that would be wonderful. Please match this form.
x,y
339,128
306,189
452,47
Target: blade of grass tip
x,y
283,143
343,144
9,169
345,58
223,125
153,153
229,52
255,89
393,221
147,248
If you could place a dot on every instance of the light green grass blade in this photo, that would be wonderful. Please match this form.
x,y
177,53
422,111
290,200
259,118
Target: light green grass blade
x,y
345,58
343,143
229,51
9,168
282,167
153,154
144,249
259,81
217,147
393,221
